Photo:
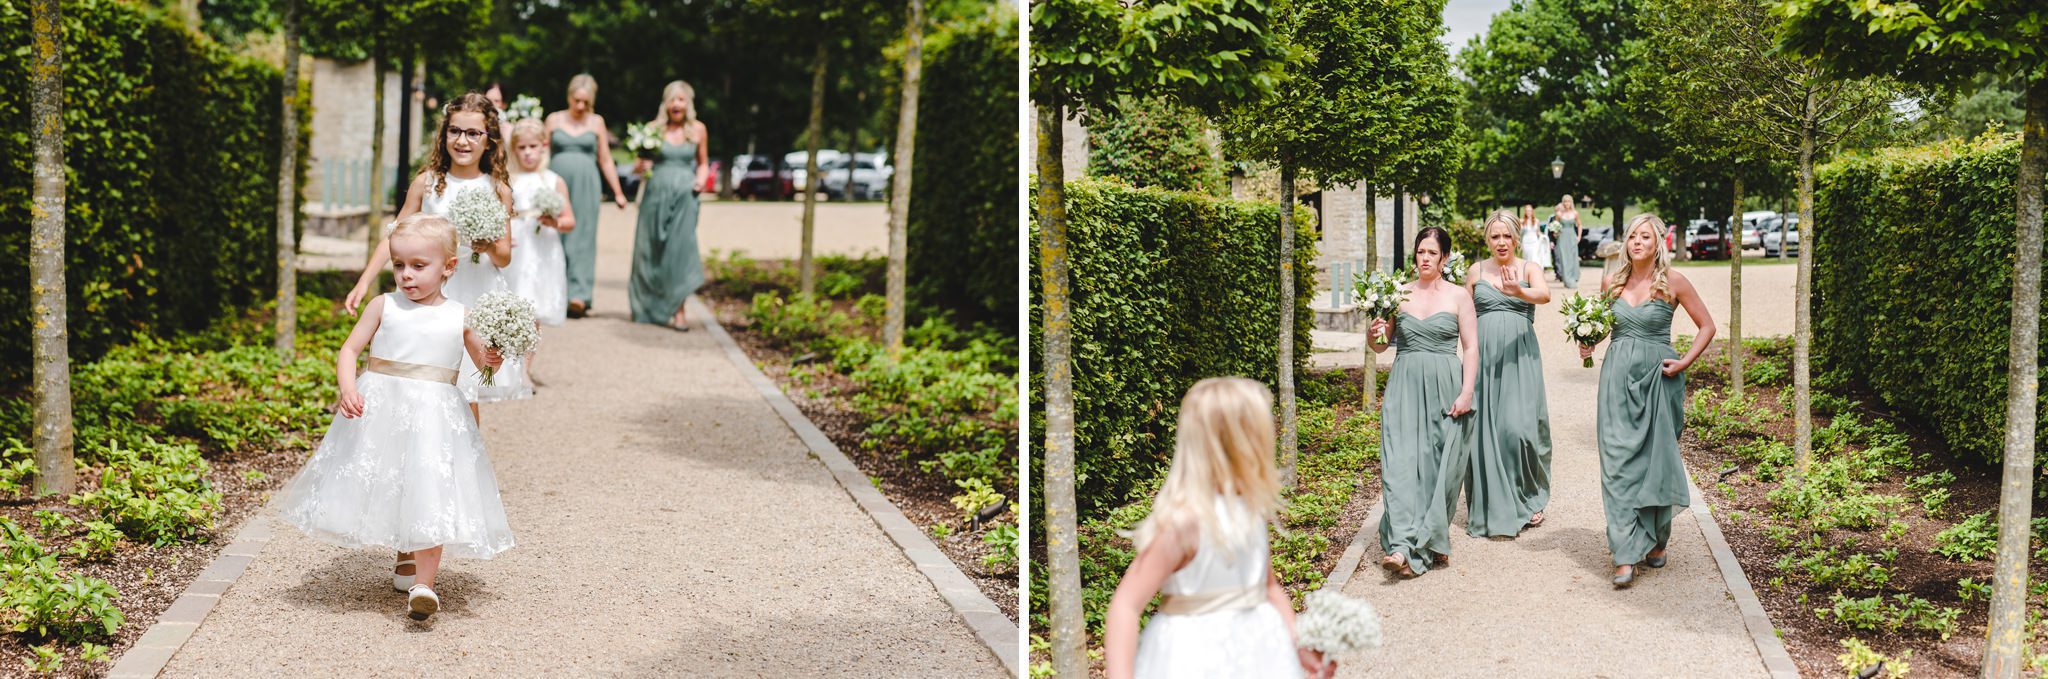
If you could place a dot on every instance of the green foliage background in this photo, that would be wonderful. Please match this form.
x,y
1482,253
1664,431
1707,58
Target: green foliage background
x,y
1153,142
1168,288
1912,282
963,204
171,201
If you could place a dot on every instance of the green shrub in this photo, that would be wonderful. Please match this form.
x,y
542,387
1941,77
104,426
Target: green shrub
x,y
156,494
962,224
42,600
1154,142
1167,288
1002,547
1910,296
1973,539
171,200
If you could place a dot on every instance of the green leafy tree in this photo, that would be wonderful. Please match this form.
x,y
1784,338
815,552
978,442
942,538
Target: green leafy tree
x,y
1549,81
1155,142
52,371
1948,41
1085,54
899,200
287,190
1353,101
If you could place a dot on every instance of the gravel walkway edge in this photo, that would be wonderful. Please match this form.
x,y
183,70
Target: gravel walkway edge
x,y
995,630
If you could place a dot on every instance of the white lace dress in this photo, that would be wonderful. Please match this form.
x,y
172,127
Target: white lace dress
x,y
410,473
1245,639
470,282
536,271
1535,246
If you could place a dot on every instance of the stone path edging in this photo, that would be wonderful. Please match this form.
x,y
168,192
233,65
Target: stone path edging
x,y
990,625
1776,659
175,626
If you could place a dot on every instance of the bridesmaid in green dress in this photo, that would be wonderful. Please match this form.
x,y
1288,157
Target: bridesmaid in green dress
x,y
1568,235
1510,481
581,150
1642,400
666,265
1425,438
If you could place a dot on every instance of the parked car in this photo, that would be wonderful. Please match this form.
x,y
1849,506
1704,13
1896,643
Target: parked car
x,y
763,180
1590,240
1752,233
795,160
867,180
1705,239
1780,235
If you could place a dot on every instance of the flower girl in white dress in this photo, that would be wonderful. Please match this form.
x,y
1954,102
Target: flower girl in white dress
x,y
402,467
1204,546
537,272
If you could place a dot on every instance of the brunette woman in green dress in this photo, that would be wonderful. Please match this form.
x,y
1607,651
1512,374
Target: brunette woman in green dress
x,y
1425,437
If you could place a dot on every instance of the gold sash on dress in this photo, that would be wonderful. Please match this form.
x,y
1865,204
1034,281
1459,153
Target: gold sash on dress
x,y
430,373
1213,602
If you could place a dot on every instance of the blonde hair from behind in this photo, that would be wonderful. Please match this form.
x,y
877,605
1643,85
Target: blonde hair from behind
x,y
1504,218
434,228
1224,448
1660,265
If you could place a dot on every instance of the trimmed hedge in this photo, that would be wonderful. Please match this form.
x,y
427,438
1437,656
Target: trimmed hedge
x,y
963,204
1155,142
1167,288
1912,282
171,198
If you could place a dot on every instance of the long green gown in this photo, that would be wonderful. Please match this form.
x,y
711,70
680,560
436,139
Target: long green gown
x,y
1423,452
1510,478
666,265
1568,252
575,159
1641,413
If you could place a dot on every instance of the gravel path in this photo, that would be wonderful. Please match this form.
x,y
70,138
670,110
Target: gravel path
x,y
1541,604
669,523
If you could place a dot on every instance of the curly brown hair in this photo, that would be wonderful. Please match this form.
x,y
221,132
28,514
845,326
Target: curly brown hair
x,y
493,161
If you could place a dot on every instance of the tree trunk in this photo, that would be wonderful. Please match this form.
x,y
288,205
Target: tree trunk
x,y
404,175
1370,390
896,290
52,371
1735,297
1062,549
2007,626
287,190
807,278
1802,313
376,147
1285,381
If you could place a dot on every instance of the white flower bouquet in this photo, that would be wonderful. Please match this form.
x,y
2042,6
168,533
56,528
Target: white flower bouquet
x,y
1455,268
505,322
548,203
523,108
1587,320
643,139
478,218
1336,624
1380,295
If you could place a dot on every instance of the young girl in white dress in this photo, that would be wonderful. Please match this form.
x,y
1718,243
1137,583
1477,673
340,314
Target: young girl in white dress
x,y
468,156
537,271
401,468
1204,545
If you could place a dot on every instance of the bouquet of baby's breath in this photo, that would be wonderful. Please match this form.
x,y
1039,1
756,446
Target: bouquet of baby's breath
x,y
643,139
1336,624
1587,320
478,218
1455,267
504,321
1380,296
548,203
522,108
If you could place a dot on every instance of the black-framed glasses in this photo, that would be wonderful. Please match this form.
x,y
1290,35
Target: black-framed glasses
x,y
471,135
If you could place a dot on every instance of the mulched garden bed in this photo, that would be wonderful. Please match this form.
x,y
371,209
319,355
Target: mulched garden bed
x,y
1791,597
923,497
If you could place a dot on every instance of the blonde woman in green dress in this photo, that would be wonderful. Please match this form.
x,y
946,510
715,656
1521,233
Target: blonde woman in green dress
x,y
1510,481
667,268
1569,233
1425,438
1642,400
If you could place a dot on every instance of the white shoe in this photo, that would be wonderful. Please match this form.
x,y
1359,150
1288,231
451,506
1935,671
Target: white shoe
x,y
422,601
403,582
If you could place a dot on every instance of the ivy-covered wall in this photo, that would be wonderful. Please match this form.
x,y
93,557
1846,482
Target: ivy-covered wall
x,y
171,144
